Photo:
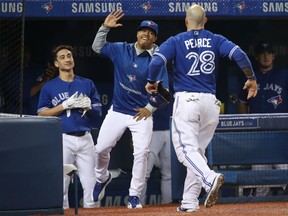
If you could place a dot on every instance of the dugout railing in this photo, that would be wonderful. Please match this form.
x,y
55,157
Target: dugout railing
x,y
241,141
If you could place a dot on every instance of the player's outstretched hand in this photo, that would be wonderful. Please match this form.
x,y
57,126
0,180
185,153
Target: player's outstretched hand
x,y
112,19
252,87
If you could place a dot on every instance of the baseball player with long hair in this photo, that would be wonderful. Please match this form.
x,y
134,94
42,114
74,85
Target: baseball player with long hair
x,y
196,109
130,105
76,101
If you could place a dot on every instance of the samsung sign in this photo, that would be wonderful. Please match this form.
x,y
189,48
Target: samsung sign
x,y
143,8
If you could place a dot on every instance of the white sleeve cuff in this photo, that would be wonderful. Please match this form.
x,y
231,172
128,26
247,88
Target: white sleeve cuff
x,y
150,108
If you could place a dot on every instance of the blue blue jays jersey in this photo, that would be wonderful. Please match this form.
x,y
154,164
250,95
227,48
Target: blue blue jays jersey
x,y
130,76
56,91
272,96
195,54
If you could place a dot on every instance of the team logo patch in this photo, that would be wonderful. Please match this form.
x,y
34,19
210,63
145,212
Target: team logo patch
x,y
275,101
47,7
240,6
146,6
153,99
131,78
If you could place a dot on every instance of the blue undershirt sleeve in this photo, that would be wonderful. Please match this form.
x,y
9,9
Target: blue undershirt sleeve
x,y
154,67
95,112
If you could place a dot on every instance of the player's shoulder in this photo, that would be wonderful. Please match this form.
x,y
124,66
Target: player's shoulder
x,y
50,85
82,79
120,44
198,33
52,82
123,47
280,72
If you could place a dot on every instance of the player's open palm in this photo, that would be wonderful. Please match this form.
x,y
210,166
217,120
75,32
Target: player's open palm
x,y
112,19
252,87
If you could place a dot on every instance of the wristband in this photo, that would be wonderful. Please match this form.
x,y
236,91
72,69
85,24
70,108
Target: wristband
x,y
151,82
252,78
150,108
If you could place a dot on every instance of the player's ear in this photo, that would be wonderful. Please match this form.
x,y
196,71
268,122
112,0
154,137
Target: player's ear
x,y
56,64
205,20
186,21
155,39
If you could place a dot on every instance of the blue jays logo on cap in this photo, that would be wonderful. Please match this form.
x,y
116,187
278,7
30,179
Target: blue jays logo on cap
x,y
150,25
264,47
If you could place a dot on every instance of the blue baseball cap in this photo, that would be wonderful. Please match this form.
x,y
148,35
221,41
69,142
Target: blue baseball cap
x,y
264,46
150,25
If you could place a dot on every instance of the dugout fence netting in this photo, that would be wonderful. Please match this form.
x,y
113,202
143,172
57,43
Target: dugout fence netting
x,y
11,59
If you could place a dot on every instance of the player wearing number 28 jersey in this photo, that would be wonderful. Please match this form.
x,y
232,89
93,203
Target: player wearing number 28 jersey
x,y
195,54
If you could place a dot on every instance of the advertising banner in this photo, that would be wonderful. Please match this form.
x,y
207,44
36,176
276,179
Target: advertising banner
x,y
141,8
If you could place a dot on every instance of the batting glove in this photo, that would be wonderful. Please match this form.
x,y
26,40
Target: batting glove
x,y
85,103
72,102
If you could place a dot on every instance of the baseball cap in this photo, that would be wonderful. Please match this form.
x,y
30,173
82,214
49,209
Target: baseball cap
x,y
150,25
264,46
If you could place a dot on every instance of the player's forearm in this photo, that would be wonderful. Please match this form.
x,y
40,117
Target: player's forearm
x,y
100,39
249,73
155,67
244,63
55,111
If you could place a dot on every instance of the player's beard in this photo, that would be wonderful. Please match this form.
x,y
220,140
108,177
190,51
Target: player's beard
x,y
144,45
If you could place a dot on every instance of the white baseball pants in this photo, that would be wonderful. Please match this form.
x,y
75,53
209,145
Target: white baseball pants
x,y
112,128
80,152
195,118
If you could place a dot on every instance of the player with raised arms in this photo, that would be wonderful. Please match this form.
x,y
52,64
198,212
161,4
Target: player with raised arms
x,y
132,106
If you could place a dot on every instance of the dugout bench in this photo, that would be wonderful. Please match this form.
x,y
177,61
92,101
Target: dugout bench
x,y
242,140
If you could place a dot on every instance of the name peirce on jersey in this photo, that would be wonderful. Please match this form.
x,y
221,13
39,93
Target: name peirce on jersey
x,y
197,43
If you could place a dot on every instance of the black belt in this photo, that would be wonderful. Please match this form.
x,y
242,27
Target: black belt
x,y
77,133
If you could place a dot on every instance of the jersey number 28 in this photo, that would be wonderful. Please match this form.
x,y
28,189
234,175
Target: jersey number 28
x,y
205,62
